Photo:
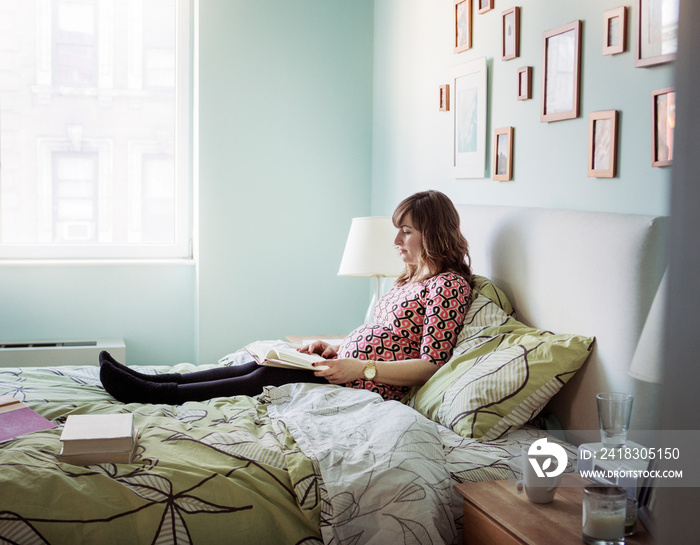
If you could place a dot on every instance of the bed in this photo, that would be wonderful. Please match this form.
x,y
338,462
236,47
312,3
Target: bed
x,y
561,299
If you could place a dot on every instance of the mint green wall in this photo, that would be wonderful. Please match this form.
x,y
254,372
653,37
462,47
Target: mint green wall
x,y
150,306
412,139
285,163
316,111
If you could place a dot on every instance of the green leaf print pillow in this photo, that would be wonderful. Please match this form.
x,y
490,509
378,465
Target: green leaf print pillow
x,y
501,375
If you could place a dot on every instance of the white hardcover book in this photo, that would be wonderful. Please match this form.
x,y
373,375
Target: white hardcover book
x,y
89,433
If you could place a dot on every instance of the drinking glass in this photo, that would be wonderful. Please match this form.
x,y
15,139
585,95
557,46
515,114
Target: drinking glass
x,y
614,411
604,511
631,517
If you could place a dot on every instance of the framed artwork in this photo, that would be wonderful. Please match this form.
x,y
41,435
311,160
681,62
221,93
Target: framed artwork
x,y
503,154
615,31
469,119
510,34
463,25
657,32
561,71
444,98
525,83
602,144
647,499
663,123
485,5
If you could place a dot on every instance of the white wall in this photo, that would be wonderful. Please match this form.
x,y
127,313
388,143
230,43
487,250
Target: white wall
x,y
412,138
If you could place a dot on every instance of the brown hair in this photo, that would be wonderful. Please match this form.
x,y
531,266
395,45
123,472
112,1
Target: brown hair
x,y
444,247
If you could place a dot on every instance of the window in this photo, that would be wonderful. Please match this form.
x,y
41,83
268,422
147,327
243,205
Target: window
x,y
74,37
95,129
74,192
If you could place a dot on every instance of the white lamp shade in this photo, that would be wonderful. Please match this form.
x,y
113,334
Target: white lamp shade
x,y
370,250
647,362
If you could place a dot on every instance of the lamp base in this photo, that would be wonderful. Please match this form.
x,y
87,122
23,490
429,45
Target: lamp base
x,y
378,289
369,315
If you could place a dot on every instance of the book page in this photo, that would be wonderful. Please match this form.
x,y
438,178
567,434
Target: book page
x,y
98,426
291,354
281,354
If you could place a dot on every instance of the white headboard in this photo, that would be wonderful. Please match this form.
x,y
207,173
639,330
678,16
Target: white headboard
x,y
589,273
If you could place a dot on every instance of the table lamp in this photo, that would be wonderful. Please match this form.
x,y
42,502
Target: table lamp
x,y
370,251
647,362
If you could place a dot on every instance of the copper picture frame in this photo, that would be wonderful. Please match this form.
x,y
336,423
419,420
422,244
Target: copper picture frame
x,y
663,124
525,83
444,98
657,32
615,31
503,154
602,144
510,34
485,5
561,72
463,25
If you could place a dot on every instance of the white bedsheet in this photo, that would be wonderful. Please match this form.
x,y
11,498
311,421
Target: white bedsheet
x,y
387,470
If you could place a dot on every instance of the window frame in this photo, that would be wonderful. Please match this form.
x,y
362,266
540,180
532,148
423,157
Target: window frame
x,y
182,247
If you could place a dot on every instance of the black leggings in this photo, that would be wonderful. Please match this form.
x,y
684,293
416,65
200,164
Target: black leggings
x,y
247,379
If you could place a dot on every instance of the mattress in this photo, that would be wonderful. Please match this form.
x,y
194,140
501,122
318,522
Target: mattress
x,y
303,463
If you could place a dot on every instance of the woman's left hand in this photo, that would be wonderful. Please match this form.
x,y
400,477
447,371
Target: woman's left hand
x,y
341,371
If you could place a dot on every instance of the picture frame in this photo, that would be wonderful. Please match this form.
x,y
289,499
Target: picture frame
x,y
510,34
469,107
463,25
525,83
561,72
485,5
647,499
657,32
602,144
444,98
663,122
503,154
615,31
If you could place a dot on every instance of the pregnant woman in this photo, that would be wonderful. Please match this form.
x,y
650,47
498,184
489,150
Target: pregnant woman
x,y
413,333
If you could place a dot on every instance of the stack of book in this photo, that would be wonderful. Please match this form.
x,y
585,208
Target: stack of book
x,y
98,439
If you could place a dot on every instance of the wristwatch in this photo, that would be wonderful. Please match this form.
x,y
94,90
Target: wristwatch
x,y
370,370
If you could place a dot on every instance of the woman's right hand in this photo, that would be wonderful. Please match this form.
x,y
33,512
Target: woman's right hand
x,y
321,348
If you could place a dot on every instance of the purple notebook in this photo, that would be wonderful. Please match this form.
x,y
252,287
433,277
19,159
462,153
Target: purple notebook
x,y
17,419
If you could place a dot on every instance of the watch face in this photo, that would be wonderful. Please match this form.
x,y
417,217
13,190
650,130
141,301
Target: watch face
x,y
370,372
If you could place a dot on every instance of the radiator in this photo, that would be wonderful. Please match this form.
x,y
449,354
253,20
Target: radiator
x,y
52,353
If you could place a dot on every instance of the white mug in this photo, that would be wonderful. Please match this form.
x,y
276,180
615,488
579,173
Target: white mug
x,y
538,489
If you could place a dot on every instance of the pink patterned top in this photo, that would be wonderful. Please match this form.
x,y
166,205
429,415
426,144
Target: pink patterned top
x,y
419,320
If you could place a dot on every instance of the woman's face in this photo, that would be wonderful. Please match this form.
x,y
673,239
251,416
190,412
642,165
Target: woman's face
x,y
409,241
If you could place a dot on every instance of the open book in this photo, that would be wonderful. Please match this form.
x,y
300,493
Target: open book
x,y
280,354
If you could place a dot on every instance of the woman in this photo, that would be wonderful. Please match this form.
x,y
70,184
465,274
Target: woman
x,y
414,331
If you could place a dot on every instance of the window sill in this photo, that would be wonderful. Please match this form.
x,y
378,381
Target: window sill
x,y
94,262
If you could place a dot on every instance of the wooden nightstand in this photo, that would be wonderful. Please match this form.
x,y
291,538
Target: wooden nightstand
x,y
496,514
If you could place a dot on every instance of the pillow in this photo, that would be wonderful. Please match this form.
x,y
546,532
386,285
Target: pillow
x,y
482,313
488,289
500,376
489,306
